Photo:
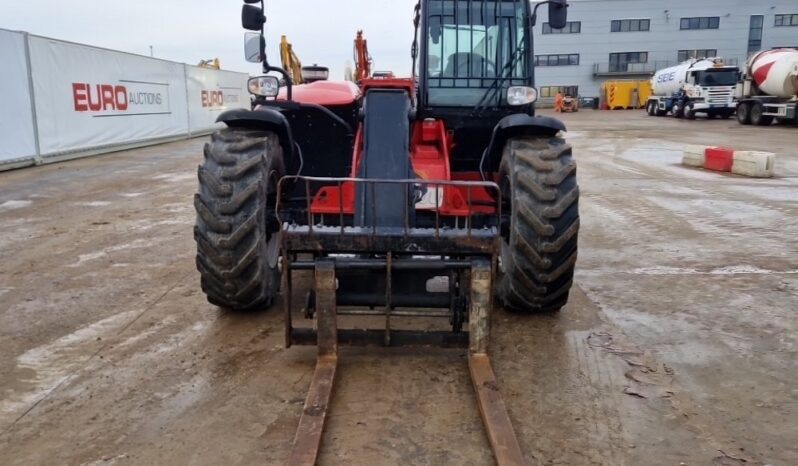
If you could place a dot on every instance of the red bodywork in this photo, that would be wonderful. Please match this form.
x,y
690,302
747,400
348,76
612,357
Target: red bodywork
x,y
430,146
324,93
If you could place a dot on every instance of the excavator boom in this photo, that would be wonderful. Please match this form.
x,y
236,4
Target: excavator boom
x,y
363,60
290,61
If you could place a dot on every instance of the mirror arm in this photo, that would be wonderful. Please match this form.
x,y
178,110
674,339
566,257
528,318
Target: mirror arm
x,y
289,83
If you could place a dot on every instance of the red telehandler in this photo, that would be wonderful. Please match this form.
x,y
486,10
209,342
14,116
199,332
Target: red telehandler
x,y
418,197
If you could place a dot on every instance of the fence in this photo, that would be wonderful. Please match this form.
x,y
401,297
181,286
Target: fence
x,y
66,100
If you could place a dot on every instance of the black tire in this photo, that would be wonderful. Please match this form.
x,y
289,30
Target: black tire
x,y
689,112
758,117
539,247
744,114
651,108
677,110
236,232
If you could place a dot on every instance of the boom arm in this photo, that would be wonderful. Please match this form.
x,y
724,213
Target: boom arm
x,y
290,61
363,60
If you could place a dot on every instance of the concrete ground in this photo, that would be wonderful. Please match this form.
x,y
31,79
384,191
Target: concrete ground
x,y
679,345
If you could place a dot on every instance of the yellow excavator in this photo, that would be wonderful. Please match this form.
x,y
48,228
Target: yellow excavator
x,y
212,63
290,61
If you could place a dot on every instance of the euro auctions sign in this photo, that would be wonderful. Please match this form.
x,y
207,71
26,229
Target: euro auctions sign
x,y
123,98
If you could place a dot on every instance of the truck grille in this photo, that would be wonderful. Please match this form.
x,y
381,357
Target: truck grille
x,y
720,96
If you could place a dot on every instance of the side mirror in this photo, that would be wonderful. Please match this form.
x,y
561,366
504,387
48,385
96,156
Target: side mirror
x,y
558,13
252,18
254,45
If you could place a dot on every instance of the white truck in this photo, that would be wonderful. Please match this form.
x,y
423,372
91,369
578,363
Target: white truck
x,y
769,88
696,86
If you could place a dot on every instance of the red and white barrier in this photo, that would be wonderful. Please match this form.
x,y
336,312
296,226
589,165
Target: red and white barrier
x,y
755,164
719,159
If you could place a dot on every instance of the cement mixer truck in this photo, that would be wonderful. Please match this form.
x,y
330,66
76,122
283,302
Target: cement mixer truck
x,y
696,86
769,88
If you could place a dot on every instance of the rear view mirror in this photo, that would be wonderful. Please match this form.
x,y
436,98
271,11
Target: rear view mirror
x,y
252,18
558,14
254,45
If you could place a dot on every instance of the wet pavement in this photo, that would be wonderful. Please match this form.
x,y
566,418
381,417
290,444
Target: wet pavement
x,y
678,346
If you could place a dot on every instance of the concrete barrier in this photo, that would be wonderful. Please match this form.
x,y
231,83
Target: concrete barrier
x,y
754,164
719,159
694,156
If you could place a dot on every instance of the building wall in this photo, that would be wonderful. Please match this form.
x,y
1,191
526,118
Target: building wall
x,y
595,42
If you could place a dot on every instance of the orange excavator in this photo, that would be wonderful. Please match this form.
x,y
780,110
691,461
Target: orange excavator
x,y
363,61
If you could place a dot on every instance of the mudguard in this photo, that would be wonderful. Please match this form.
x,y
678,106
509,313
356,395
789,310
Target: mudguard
x,y
263,118
512,126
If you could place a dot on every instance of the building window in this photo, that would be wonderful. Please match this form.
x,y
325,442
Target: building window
x,y
755,34
557,60
619,62
571,27
630,25
685,55
551,91
703,22
787,20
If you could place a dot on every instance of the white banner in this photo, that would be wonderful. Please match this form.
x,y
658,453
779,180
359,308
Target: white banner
x,y
90,98
211,92
16,119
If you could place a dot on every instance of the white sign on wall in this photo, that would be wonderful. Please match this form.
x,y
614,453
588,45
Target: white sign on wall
x,y
16,119
210,92
88,97
89,100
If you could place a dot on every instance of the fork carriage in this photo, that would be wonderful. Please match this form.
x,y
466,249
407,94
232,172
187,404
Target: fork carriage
x,y
400,261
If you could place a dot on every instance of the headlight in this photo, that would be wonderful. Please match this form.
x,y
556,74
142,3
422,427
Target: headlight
x,y
264,86
521,95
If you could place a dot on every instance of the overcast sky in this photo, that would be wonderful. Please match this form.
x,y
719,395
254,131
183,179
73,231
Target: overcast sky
x,y
322,31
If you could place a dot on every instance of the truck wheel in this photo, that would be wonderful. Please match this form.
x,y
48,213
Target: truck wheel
x,y
237,235
758,117
744,114
689,112
539,246
677,111
651,108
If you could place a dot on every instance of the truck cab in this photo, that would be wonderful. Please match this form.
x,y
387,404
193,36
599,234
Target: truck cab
x,y
696,86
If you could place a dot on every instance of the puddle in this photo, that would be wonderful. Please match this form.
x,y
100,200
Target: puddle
x,y
53,363
175,177
12,205
93,204
83,258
